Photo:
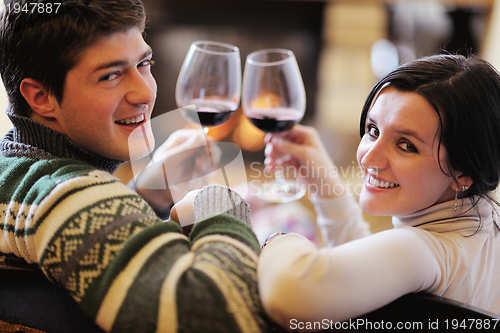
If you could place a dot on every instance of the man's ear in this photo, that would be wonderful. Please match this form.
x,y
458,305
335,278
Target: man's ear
x,y
38,98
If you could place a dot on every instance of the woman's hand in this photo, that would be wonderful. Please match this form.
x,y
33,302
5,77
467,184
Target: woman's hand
x,y
302,148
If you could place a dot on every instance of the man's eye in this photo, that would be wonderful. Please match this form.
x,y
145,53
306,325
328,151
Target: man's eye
x,y
147,62
109,77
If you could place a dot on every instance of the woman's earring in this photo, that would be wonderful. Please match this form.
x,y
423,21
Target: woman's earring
x,y
455,204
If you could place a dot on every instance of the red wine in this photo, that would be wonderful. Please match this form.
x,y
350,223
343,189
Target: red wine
x,y
279,120
271,125
211,112
208,118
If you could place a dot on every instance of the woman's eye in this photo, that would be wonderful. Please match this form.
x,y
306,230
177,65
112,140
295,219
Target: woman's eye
x,y
372,131
408,147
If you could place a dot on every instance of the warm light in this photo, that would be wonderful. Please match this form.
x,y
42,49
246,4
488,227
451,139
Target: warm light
x,y
266,100
247,136
221,131
239,130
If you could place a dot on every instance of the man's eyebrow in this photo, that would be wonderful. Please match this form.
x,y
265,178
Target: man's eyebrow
x,y
118,63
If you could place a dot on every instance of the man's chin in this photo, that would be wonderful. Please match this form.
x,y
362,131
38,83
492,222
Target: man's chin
x,y
136,152
141,142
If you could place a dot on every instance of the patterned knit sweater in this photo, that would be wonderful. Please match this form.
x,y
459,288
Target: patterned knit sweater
x,y
62,211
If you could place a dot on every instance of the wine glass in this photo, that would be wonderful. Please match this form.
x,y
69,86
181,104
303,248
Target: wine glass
x,y
208,90
274,100
210,78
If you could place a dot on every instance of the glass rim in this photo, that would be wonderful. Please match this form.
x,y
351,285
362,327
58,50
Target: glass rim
x,y
231,49
287,52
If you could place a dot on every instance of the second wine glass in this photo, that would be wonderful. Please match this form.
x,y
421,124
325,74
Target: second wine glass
x,y
274,100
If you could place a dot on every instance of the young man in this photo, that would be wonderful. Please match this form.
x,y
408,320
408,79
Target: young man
x,y
78,77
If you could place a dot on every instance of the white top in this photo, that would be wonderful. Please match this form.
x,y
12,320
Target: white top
x,y
435,250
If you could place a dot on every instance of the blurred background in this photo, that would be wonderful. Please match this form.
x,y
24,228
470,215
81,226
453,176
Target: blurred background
x,y
343,47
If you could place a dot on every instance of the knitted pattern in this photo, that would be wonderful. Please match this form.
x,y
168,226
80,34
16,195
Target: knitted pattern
x,y
128,270
217,199
29,138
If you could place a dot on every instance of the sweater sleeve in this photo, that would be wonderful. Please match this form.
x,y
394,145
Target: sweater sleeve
x,y
340,219
216,199
129,271
299,282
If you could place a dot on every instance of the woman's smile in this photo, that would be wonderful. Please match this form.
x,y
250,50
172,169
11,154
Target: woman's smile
x,y
380,183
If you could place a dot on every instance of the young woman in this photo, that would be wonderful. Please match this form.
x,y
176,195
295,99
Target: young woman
x,y
430,157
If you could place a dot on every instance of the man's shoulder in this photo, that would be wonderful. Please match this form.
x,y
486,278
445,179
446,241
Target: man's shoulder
x,y
59,169
24,177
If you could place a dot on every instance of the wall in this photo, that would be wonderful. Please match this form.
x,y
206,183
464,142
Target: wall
x,y
5,123
491,46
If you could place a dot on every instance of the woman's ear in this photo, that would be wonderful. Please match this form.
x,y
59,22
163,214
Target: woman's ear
x,y
462,182
38,98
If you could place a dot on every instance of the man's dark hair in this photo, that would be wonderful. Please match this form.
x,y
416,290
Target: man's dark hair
x,y
45,46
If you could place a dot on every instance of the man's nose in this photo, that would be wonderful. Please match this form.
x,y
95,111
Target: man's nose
x,y
142,89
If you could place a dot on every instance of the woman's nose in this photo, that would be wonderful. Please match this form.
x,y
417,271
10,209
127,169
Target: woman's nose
x,y
374,156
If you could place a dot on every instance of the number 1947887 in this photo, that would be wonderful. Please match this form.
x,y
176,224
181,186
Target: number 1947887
x,y
483,324
40,8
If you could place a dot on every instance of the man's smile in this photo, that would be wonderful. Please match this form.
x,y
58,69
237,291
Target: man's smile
x,y
133,121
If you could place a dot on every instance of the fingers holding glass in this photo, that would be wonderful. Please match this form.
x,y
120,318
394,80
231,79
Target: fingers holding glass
x,y
274,101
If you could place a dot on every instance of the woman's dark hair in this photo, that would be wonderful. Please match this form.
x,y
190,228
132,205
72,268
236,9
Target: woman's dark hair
x,y
44,44
465,93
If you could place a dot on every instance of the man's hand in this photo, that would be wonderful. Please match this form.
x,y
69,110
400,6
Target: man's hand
x,y
176,160
183,212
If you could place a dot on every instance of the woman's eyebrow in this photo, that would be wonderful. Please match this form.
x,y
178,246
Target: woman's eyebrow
x,y
410,133
403,131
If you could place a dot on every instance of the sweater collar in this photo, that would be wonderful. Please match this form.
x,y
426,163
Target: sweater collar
x,y
443,217
32,139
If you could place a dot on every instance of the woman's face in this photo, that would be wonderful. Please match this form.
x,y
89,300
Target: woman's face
x,y
399,156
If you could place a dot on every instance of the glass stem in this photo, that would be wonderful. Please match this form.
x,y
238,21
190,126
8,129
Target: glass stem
x,y
278,175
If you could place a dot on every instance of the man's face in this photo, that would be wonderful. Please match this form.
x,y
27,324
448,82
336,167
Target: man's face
x,y
109,93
